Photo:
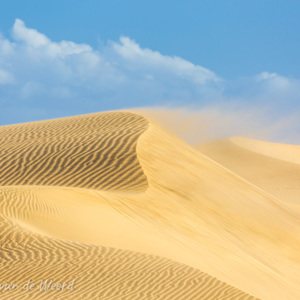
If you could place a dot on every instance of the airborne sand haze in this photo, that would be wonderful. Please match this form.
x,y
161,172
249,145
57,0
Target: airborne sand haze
x,y
197,125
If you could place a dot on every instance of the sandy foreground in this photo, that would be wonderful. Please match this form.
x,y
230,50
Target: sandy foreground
x,y
110,206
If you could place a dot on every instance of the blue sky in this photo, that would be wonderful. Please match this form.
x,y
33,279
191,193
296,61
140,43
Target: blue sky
x,y
232,37
60,58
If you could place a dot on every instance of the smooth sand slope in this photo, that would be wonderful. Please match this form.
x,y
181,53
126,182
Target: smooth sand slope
x,y
154,220
273,167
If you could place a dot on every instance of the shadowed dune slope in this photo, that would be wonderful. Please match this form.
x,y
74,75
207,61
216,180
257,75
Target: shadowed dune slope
x,y
273,167
92,151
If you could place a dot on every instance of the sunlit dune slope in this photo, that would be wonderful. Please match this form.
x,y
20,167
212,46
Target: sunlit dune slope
x,y
272,167
159,221
92,151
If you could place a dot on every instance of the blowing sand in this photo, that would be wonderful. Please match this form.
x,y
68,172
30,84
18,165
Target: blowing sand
x,y
124,210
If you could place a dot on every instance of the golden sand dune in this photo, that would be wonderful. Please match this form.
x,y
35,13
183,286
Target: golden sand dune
x,y
272,167
150,217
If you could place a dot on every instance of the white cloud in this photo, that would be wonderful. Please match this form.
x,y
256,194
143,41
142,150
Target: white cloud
x,y
33,39
6,47
122,73
52,79
265,76
276,87
147,59
274,80
30,36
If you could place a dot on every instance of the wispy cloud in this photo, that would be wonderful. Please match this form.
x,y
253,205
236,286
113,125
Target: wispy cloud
x,y
66,78
148,61
44,79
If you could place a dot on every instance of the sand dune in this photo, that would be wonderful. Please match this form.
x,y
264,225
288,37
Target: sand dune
x,y
273,167
131,212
